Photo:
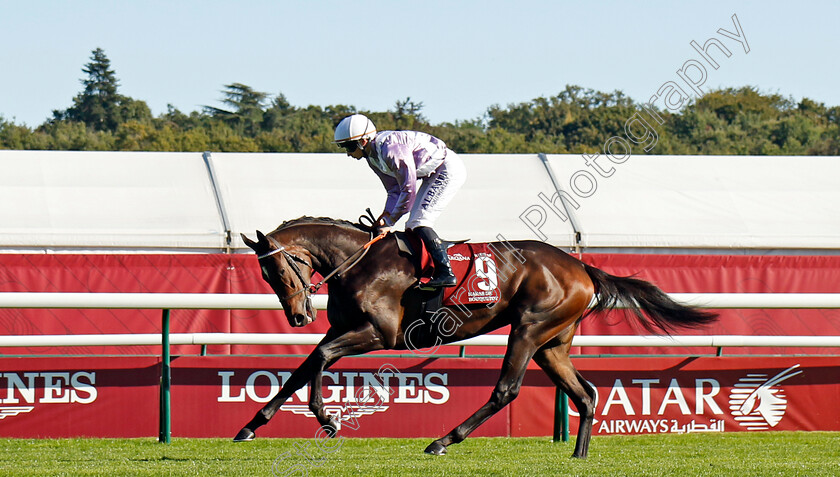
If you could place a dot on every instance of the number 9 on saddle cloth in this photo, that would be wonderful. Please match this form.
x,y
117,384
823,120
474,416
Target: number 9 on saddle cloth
x,y
474,265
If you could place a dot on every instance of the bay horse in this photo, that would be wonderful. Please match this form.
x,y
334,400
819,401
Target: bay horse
x,y
371,306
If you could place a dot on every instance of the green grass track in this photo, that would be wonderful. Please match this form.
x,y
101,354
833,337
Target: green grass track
x,y
729,454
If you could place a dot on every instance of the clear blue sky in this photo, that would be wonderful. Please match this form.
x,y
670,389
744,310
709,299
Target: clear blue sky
x,y
457,57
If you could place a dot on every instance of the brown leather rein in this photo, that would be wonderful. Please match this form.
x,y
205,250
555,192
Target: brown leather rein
x,y
293,261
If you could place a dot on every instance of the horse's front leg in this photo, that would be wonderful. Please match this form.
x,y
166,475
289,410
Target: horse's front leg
x,y
316,405
330,349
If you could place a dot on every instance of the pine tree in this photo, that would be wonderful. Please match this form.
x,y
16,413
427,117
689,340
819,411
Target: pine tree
x,y
98,105
246,108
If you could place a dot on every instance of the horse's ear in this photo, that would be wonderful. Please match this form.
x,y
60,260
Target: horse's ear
x,y
248,242
261,237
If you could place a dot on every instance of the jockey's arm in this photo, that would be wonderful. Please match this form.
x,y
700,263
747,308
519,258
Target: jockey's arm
x,y
406,178
392,187
401,183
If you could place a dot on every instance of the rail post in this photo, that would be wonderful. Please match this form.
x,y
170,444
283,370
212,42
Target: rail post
x,y
561,416
165,436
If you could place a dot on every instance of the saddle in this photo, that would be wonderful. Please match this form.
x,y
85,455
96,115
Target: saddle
x,y
474,265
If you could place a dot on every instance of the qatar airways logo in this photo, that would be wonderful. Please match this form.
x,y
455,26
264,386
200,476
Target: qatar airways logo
x,y
21,390
757,401
348,395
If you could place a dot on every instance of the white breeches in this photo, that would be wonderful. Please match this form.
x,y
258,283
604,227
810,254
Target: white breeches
x,y
436,191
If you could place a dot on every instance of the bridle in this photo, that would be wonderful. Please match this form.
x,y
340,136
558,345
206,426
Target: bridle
x,y
312,288
293,261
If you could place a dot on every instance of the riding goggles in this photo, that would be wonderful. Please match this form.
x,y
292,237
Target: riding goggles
x,y
349,146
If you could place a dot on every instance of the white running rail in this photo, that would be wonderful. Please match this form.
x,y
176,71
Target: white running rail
x,y
169,301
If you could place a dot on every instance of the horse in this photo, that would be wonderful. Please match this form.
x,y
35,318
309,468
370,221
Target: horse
x,y
373,303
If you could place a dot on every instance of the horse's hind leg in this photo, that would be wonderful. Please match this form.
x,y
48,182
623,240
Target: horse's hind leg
x,y
519,352
553,358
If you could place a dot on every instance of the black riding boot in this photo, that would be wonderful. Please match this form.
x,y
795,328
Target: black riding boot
x,y
443,276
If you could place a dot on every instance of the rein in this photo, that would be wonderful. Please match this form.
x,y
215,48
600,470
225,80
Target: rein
x,y
364,249
313,288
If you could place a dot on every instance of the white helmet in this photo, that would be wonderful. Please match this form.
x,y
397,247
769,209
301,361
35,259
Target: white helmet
x,y
353,128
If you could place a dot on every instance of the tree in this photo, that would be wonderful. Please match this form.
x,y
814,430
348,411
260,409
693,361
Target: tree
x,y
100,106
407,113
576,119
13,136
277,110
246,108
96,106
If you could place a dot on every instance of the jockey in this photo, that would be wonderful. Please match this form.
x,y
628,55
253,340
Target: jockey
x,y
400,159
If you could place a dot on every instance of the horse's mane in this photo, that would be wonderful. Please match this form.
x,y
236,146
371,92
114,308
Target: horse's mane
x,y
305,220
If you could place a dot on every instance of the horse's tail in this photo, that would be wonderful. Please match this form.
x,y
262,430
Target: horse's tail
x,y
653,308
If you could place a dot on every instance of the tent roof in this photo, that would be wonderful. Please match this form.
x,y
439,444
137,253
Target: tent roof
x,y
190,202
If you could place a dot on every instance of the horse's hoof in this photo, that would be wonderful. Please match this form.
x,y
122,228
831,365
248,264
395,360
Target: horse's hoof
x,y
436,448
331,429
245,435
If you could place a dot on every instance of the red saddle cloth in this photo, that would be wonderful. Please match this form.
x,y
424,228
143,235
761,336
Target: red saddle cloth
x,y
475,267
473,264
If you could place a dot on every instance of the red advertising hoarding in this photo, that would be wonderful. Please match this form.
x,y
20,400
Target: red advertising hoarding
x,y
79,397
701,394
374,397
240,273
412,397
214,396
